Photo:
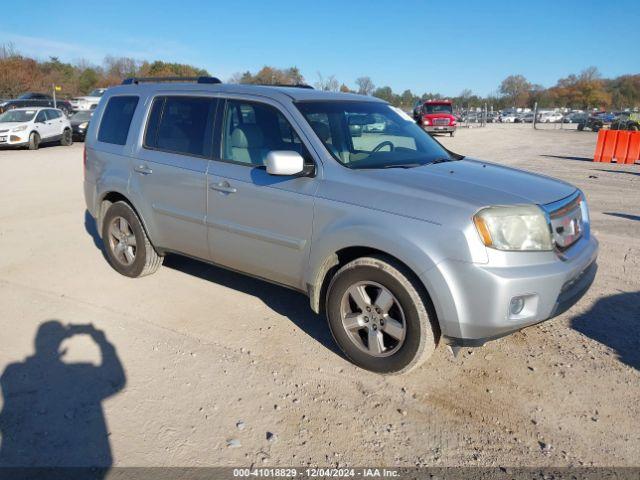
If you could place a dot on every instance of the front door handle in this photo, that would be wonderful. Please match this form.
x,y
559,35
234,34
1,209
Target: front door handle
x,y
223,187
143,169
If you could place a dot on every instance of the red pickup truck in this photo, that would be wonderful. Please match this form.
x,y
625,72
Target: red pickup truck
x,y
436,116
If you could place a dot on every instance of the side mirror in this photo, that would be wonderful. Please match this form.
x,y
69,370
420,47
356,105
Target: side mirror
x,y
284,162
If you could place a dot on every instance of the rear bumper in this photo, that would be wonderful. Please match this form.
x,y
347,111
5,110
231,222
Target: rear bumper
x,y
473,300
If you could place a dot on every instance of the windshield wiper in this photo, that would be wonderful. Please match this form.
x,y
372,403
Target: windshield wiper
x,y
404,165
440,160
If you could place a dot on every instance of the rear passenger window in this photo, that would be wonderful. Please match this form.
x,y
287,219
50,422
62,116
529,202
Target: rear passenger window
x,y
116,120
181,125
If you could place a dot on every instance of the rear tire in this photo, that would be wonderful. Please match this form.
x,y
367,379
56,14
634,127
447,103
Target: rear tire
x,y
67,138
34,141
126,244
380,317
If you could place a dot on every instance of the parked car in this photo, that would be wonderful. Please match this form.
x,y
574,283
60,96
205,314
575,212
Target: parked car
x,y
31,127
549,117
525,118
596,121
436,116
492,117
508,117
88,102
32,99
626,121
575,117
402,243
79,123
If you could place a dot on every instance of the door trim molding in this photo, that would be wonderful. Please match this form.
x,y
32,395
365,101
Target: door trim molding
x,y
258,234
179,214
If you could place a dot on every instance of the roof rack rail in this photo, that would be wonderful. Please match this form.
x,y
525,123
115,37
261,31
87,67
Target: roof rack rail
x,y
295,85
137,80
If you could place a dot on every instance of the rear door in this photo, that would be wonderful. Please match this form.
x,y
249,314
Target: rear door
x,y
258,223
169,171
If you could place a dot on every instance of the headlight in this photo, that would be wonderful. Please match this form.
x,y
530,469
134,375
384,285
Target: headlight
x,y
84,125
519,228
19,129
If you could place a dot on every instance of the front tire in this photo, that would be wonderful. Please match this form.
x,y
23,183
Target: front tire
x,y
34,141
126,244
380,317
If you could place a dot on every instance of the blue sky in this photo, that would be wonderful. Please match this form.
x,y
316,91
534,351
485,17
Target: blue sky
x,y
426,46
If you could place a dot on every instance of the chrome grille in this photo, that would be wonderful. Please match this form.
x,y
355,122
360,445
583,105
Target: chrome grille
x,y
566,220
441,121
3,131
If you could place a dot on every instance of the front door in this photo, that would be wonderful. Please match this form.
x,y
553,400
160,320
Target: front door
x,y
259,223
170,172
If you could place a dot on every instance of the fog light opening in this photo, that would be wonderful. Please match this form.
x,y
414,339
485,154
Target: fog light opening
x,y
516,306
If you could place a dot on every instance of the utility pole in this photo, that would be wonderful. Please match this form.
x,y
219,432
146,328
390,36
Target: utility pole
x,y
54,96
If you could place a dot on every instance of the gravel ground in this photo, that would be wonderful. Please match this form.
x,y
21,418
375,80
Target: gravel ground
x,y
223,370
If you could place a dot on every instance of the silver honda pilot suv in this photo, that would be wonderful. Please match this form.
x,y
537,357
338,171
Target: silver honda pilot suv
x,y
403,243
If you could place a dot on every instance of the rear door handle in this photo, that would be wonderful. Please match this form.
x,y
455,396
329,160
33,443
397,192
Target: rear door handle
x,y
143,169
223,187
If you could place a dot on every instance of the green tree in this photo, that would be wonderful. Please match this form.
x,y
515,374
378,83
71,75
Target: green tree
x,y
88,80
516,89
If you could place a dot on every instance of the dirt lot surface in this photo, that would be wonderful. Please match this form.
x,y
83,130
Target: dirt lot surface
x,y
220,369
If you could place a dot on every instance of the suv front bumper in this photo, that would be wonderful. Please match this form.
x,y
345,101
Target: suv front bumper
x,y
473,300
439,128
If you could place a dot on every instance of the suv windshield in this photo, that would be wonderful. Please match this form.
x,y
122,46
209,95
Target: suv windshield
x,y
17,116
371,135
95,93
437,108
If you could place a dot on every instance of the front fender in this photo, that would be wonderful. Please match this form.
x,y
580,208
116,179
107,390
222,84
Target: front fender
x,y
368,229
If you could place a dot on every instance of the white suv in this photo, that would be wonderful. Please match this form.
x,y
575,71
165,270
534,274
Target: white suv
x,y
29,127
88,102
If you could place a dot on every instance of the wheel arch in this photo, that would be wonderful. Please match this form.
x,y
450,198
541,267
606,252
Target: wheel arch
x,y
109,198
317,289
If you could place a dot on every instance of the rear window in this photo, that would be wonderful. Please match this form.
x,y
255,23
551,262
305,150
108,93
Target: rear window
x,y
116,120
181,124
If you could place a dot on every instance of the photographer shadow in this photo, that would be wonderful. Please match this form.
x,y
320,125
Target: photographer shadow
x,y
52,413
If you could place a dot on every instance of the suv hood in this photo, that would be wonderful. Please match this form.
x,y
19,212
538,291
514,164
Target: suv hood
x,y
472,183
10,125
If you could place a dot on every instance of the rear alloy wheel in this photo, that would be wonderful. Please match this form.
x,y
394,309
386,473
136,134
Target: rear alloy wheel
x,y
67,138
380,317
127,246
34,141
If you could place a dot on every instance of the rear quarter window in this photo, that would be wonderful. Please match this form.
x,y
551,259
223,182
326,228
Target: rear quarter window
x,y
116,119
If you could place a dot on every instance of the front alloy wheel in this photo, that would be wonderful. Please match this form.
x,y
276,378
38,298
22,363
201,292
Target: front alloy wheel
x,y
380,315
373,319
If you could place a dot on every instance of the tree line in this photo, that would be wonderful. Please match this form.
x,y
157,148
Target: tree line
x,y
587,89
